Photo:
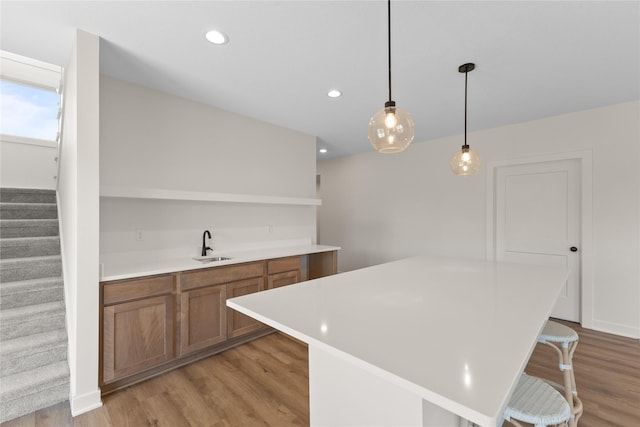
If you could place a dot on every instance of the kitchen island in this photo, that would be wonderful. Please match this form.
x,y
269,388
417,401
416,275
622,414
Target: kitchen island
x,y
423,341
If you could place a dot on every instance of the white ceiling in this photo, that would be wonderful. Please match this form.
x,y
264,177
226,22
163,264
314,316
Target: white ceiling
x,y
533,59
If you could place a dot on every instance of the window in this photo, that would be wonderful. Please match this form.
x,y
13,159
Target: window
x,y
28,111
29,100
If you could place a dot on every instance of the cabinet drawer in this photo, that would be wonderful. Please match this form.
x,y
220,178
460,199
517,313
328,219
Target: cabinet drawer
x,y
284,264
219,275
283,279
132,289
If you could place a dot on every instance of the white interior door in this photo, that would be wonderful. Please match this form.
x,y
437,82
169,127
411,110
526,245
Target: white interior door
x,y
538,221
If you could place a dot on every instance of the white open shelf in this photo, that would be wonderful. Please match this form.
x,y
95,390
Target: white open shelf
x,y
164,194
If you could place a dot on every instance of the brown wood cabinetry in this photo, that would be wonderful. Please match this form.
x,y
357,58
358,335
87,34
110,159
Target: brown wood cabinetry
x,y
323,264
284,271
202,318
237,323
153,324
138,326
203,311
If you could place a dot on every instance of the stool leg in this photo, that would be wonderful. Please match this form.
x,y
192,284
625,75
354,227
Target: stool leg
x,y
571,392
565,356
567,373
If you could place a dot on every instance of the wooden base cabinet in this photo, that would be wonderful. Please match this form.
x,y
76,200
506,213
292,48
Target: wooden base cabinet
x,y
153,324
284,271
322,264
203,322
203,311
237,323
138,327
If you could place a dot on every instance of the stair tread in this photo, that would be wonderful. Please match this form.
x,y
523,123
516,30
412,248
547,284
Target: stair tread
x,y
29,239
11,315
29,228
33,259
30,285
20,247
27,195
29,210
28,204
33,343
26,190
15,221
45,376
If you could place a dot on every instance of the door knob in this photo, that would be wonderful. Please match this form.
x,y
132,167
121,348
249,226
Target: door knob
x,y
573,249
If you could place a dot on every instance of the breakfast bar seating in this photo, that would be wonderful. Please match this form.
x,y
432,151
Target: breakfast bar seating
x,y
536,402
564,341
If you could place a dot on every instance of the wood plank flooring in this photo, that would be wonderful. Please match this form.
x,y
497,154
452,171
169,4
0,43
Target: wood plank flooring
x,y
607,370
265,383
261,383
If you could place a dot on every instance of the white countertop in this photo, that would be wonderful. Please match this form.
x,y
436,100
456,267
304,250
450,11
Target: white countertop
x,y
126,266
457,333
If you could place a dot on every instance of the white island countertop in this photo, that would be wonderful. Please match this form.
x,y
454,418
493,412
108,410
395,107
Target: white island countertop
x,y
456,333
131,265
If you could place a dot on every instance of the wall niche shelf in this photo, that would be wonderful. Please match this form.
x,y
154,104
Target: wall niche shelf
x,y
201,196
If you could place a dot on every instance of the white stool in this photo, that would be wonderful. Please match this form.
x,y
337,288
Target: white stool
x,y
564,341
536,402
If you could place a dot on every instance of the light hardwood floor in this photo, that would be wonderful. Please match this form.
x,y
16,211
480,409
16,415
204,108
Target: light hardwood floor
x,y
265,383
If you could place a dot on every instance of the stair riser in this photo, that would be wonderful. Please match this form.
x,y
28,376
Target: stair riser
x,y
12,365
29,248
27,211
23,299
11,330
25,196
35,230
26,272
10,409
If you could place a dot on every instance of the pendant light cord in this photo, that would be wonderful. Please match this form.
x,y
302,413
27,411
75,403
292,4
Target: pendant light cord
x,y
465,108
389,42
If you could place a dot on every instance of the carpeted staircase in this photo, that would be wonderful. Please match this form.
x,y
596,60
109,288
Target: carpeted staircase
x,y
34,372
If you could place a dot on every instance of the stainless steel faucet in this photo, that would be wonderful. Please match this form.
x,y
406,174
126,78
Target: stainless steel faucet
x,y
205,248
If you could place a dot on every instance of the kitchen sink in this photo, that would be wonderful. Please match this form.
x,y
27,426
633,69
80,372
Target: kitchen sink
x,y
212,258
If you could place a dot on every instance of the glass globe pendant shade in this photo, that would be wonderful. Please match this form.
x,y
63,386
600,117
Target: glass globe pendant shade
x,y
391,129
465,162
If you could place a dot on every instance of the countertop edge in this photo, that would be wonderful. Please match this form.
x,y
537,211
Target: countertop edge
x,y
186,263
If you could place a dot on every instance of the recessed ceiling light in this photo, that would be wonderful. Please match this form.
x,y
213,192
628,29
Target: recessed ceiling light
x,y
323,150
334,93
216,37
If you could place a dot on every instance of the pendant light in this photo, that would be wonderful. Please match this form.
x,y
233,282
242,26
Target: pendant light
x,y
466,161
391,129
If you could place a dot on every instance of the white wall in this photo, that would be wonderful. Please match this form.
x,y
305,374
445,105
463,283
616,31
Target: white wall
x,y
156,140
24,165
384,207
151,139
78,205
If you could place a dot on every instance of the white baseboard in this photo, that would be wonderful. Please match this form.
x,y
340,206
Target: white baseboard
x,y
616,329
85,403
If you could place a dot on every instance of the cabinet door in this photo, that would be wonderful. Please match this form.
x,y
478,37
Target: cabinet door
x,y
202,318
283,279
138,335
238,323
